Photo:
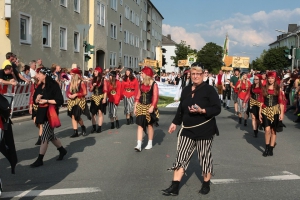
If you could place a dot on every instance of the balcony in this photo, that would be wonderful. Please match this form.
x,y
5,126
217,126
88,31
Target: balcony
x,y
148,36
149,18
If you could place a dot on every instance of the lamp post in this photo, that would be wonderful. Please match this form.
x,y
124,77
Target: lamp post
x,y
296,34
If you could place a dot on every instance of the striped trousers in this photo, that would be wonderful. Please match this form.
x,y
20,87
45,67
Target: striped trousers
x,y
48,133
186,149
112,110
128,105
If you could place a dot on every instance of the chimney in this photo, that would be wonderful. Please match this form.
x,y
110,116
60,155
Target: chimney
x,y
292,28
169,36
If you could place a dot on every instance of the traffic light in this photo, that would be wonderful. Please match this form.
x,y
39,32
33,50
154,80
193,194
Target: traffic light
x,y
298,54
287,53
88,50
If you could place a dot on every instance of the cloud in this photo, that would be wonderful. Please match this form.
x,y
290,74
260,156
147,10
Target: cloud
x,y
195,40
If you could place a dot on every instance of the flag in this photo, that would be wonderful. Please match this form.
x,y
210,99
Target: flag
x,y
225,48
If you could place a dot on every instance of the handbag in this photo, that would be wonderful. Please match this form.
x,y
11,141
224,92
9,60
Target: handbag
x,y
53,118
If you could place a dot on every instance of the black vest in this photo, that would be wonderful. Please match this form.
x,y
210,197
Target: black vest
x,y
271,100
254,95
146,97
99,90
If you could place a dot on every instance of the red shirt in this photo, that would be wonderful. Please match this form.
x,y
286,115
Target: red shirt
x,y
114,94
130,88
242,90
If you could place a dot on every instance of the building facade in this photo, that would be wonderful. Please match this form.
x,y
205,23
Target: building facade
x,y
169,45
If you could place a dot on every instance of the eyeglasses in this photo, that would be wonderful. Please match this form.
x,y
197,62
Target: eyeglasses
x,y
196,74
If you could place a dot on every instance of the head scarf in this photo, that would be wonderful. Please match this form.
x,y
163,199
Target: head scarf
x,y
259,76
47,72
99,69
272,74
75,71
113,73
148,71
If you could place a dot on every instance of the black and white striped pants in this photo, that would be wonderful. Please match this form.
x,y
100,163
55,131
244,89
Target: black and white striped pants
x,y
128,105
112,110
186,149
48,133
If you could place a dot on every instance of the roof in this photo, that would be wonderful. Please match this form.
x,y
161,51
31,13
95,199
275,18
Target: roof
x,y
155,8
167,41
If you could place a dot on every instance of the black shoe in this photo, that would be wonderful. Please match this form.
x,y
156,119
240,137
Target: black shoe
x,y
255,133
260,127
173,189
94,129
83,130
38,162
112,126
75,134
128,122
240,120
99,129
224,105
205,187
62,153
131,120
117,124
266,152
39,141
227,107
270,151
245,122
297,120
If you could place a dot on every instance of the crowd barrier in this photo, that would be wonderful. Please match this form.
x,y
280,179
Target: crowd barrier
x,y
20,93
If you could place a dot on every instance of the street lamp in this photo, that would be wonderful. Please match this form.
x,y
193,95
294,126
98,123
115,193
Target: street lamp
x,y
296,34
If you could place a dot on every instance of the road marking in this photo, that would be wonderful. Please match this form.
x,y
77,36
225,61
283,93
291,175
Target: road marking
x,y
286,177
50,192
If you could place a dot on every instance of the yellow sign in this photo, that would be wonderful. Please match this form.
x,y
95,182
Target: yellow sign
x,y
159,56
240,62
183,63
150,63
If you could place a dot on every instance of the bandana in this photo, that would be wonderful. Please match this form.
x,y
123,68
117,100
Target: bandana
x,y
148,71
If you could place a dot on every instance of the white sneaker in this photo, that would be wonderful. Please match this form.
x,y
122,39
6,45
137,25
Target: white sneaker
x,y
138,148
149,146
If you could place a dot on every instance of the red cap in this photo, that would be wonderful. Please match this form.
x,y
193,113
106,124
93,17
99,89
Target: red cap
x,y
259,76
75,71
272,74
148,71
99,69
38,69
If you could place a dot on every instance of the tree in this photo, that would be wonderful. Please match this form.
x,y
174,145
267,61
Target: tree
x,y
181,51
257,64
274,59
211,57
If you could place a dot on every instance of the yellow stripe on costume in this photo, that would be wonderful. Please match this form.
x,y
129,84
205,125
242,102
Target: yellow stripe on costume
x,y
271,111
80,102
97,99
142,109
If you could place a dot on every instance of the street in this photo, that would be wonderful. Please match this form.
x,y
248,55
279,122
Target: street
x,y
105,165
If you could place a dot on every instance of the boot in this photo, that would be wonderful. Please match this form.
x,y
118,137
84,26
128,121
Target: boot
x,y
83,130
62,153
112,126
173,189
131,120
245,122
271,151
297,120
205,187
266,153
255,133
99,129
38,162
75,134
138,147
94,129
240,120
224,105
39,141
149,145
128,122
117,124
260,127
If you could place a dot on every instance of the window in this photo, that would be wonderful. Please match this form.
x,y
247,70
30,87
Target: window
x,y
131,15
137,20
63,38
121,19
120,49
63,3
100,14
126,61
46,34
77,6
126,37
25,29
112,59
113,31
121,2
127,12
144,45
144,26
113,4
137,40
76,42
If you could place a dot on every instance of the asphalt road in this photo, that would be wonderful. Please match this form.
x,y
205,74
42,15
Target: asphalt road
x,y
105,165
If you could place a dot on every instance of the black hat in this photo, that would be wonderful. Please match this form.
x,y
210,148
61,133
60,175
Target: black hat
x,y
236,69
243,73
113,73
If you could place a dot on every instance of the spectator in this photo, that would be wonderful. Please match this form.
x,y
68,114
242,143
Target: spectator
x,y
32,65
26,72
8,61
171,79
177,79
6,76
39,63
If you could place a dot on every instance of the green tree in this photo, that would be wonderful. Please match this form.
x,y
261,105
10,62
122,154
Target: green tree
x,y
257,64
274,59
211,57
181,51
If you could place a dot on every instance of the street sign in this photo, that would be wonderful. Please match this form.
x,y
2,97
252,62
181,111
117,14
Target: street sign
x,y
183,63
240,62
150,63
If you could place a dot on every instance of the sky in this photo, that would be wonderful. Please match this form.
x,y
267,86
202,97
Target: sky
x,y
250,24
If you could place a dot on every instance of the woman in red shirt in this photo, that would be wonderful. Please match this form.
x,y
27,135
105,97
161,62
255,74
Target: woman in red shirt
x,y
145,108
76,103
271,112
242,88
130,87
114,97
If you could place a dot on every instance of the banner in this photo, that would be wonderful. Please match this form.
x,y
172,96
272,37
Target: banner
x,y
167,90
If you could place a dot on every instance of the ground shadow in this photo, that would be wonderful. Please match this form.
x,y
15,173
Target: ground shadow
x,y
255,142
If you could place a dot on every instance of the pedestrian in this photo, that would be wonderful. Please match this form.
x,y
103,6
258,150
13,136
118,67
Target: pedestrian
x,y
219,84
242,87
184,81
226,89
145,108
254,95
196,113
271,111
130,87
233,80
114,96
98,100
77,103
46,94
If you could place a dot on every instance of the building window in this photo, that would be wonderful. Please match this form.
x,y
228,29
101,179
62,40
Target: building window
x,y
137,20
63,38
137,42
131,15
100,14
121,19
126,37
76,42
127,12
77,6
113,59
121,2
25,29
64,3
120,49
113,4
113,31
126,61
46,34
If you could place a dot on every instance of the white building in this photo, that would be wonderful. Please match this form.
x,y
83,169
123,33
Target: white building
x,y
169,45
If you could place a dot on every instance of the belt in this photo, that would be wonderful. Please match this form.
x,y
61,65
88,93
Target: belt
x,y
43,105
129,89
243,90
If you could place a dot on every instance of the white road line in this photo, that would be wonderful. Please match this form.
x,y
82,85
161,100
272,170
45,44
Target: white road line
x,y
286,177
50,192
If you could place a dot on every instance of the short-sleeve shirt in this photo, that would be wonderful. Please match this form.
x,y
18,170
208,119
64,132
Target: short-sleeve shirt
x,y
234,80
6,62
4,76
